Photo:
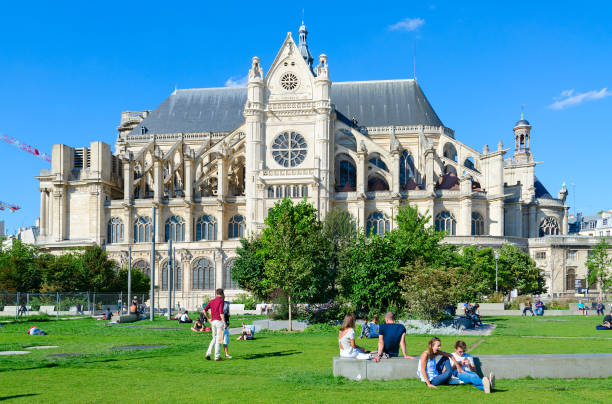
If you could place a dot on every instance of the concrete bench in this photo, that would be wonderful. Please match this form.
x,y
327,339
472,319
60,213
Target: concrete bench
x,y
236,308
561,366
46,309
9,310
276,325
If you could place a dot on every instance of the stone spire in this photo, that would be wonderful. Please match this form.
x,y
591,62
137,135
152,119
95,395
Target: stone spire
x,y
303,46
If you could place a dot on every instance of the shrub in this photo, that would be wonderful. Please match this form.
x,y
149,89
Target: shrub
x,y
325,313
248,301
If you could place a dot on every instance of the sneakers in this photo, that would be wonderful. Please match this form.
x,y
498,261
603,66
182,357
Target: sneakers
x,y
207,357
219,359
492,380
228,357
487,385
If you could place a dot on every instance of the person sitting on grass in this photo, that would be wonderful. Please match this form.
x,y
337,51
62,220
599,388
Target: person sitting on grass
x,y
472,313
582,308
198,326
108,315
392,337
469,375
365,328
184,318
435,374
527,308
606,324
600,308
374,327
539,308
346,340
248,332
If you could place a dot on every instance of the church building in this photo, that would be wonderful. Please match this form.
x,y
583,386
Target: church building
x,y
214,160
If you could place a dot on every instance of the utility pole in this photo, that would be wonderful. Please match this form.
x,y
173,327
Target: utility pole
x,y
129,297
152,297
496,259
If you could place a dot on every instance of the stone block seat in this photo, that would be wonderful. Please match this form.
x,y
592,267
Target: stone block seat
x,y
561,366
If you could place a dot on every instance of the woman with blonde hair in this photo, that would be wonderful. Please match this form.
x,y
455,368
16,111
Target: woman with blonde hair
x,y
346,340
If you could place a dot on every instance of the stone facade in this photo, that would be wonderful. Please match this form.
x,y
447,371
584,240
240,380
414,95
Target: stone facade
x,y
213,161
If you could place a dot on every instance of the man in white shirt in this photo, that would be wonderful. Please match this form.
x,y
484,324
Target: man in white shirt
x,y
185,318
469,375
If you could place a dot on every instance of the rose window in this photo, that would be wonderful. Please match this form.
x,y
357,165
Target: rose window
x,y
289,81
289,149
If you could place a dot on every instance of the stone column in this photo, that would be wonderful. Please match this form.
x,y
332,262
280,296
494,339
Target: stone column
x,y
128,180
429,170
464,227
395,169
497,217
189,159
222,224
362,172
533,222
565,224
129,224
185,258
218,261
43,212
222,179
59,215
158,179
189,236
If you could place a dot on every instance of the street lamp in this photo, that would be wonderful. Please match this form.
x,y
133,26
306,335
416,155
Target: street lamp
x,y
496,254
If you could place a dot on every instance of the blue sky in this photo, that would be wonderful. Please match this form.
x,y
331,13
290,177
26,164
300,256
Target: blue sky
x,y
67,71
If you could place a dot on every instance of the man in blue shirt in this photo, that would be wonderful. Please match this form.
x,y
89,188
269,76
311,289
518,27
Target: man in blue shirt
x,y
392,337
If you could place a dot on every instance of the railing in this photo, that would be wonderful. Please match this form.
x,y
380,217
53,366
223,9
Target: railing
x,y
288,172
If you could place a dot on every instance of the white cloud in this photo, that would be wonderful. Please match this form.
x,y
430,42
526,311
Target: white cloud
x,y
237,81
569,99
407,24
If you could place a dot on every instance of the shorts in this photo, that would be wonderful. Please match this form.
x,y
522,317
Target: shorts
x,y
226,337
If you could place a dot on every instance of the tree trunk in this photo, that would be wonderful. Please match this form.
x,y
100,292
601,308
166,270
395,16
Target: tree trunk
x,y
289,304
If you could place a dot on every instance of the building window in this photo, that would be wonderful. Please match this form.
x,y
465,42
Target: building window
x,y
228,282
549,227
540,255
143,266
406,169
304,191
377,223
236,227
571,255
445,221
175,229
570,279
176,274
477,225
203,275
378,162
270,192
287,191
142,230
347,177
279,192
115,230
289,149
206,228
289,81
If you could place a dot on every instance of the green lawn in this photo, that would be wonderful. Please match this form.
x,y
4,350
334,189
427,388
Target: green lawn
x,y
276,367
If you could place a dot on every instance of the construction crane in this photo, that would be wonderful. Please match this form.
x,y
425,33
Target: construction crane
x,y
9,206
32,150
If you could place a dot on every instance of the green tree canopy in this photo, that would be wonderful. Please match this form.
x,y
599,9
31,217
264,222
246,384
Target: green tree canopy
x,y
599,264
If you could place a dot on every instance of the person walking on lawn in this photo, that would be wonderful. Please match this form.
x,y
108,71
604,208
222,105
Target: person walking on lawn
x,y
217,322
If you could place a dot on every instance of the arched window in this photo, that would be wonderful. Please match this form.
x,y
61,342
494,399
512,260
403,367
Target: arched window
x,y
449,151
549,227
445,221
570,279
406,168
142,230
228,282
377,223
477,225
236,227
206,228
304,191
279,191
378,161
203,275
347,177
143,266
115,230
178,282
175,228
270,192
377,183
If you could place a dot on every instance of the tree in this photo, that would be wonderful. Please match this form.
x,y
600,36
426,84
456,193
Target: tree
x,y
22,267
248,268
369,278
140,282
599,264
523,274
64,273
340,233
295,253
429,291
98,271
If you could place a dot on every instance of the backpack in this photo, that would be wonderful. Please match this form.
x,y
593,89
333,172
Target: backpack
x,y
226,312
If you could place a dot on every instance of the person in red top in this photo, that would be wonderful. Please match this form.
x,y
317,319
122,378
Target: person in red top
x,y
217,322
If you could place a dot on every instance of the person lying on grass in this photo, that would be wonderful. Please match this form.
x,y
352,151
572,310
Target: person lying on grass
x,y
469,375
248,332
346,340
435,374
198,326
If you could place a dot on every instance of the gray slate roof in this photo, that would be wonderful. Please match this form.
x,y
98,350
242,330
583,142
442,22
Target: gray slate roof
x,y
540,190
371,103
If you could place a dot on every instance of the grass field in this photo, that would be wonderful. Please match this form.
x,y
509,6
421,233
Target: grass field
x,y
276,367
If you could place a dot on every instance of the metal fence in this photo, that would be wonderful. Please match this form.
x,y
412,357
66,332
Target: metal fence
x,y
17,304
